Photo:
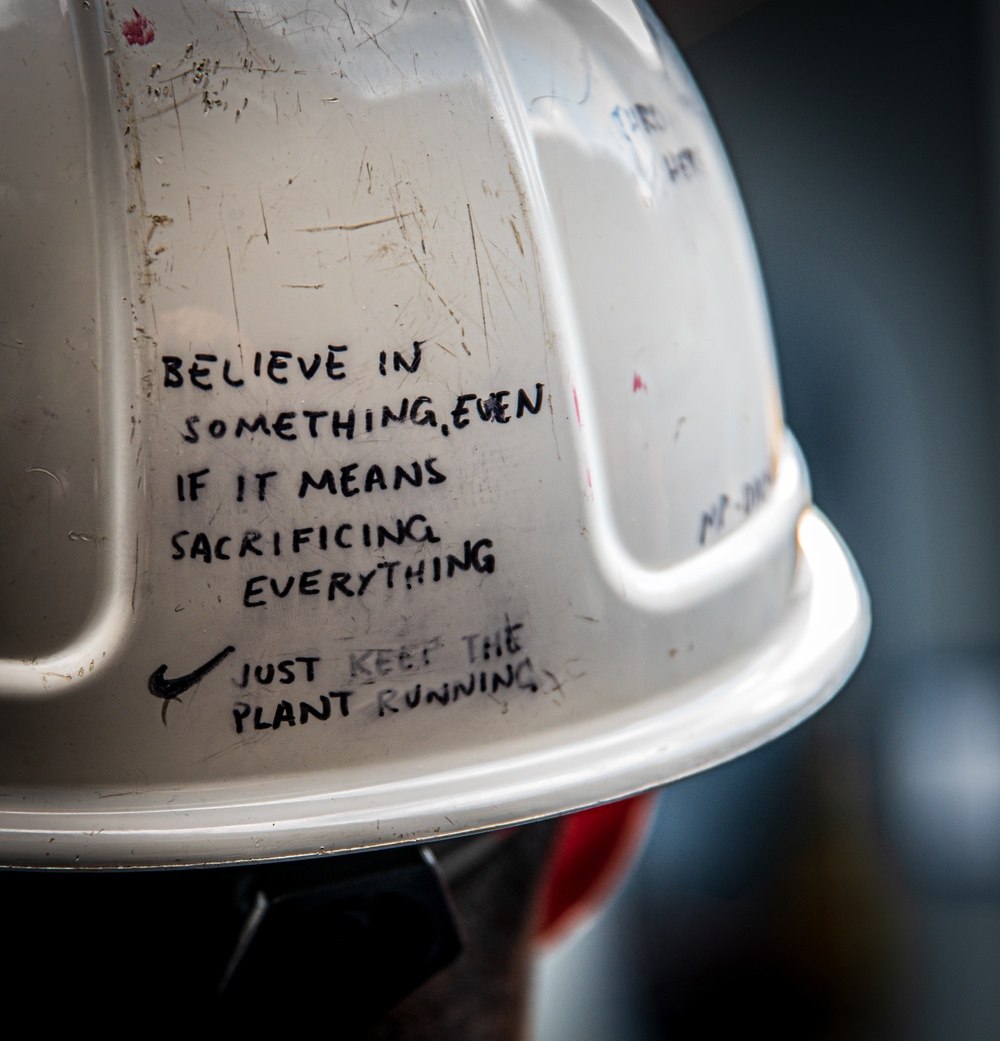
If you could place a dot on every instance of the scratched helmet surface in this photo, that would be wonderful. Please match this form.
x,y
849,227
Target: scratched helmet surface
x,y
393,444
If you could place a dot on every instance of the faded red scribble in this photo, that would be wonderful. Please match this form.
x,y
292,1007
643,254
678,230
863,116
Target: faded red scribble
x,y
589,484
576,405
638,385
138,31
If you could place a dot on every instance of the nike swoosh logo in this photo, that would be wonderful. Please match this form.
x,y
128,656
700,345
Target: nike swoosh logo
x,y
161,687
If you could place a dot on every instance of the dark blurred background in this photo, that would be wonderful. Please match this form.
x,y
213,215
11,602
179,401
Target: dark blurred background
x,y
844,881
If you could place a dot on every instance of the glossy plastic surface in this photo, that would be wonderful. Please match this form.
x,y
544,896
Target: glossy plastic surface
x,y
394,441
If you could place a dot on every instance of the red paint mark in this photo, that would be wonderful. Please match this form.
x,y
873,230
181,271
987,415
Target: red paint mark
x,y
576,405
638,385
138,31
589,485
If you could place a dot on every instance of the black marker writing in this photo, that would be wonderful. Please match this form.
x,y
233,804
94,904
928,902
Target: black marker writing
x,y
284,713
337,586
204,372
161,687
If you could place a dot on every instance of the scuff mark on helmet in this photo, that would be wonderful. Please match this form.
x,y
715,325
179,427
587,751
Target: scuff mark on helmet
x,y
138,31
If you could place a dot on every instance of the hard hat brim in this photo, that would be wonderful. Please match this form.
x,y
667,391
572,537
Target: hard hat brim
x,y
731,709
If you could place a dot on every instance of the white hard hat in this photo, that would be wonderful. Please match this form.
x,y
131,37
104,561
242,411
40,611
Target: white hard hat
x,y
393,442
